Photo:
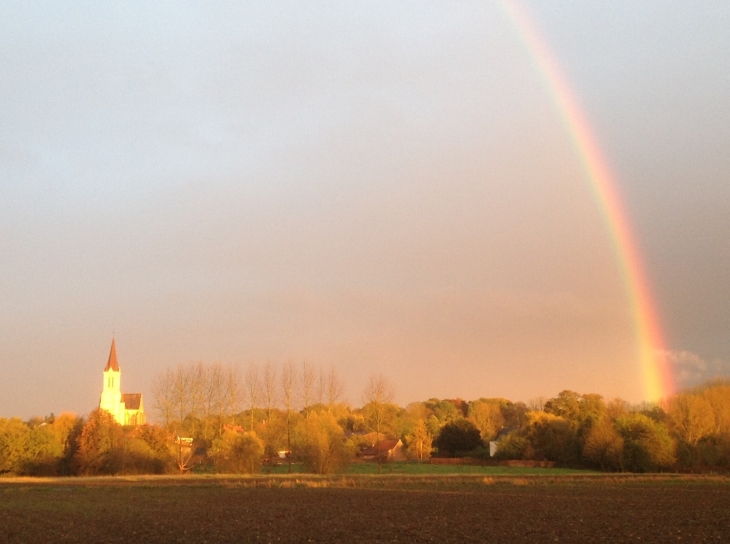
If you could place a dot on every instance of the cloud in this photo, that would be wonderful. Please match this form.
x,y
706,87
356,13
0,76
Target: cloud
x,y
690,369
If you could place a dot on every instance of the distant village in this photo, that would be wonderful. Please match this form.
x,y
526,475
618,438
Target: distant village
x,y
292,417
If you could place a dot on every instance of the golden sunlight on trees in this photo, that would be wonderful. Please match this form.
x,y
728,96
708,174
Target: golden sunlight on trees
x,y
690,417
197,398
420,442
552,437
252,386
378,396
238,452
486,414
39,447
100,445
322,443
288,385
647,444
294,412
604,446
13,442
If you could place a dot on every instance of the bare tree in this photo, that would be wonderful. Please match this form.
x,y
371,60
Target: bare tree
x,y
307,379
335,388
536,404
217,389
211,377
269,384
234,390
690,416
196,390
163,391
320,389
288,387
180,394
378,394
253,388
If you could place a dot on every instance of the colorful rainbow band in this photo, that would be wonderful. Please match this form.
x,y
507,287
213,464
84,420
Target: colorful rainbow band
x,y
658,380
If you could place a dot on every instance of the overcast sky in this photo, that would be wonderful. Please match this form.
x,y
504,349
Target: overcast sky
x,y
376,186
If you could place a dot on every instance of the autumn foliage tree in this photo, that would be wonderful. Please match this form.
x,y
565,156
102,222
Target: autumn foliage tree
x,y
100,446
420,442
321,441
238,452
647,444
604,446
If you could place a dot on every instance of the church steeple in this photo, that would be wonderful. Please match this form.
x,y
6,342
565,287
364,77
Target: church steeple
x,y
112,364
127,409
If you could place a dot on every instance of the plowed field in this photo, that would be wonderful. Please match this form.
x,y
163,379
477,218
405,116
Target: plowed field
x,y
387,511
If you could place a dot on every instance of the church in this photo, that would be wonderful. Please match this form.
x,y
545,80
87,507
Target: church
x,y
127,408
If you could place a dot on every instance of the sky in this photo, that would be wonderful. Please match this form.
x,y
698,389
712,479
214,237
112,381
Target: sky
x,y
379,187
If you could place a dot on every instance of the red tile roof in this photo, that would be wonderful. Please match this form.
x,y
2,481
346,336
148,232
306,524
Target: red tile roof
x,y
132,401
385,447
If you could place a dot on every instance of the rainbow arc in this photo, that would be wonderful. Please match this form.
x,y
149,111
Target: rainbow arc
x,y
658,380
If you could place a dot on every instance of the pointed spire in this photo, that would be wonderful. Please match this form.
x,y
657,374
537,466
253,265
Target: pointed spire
x,y
112,364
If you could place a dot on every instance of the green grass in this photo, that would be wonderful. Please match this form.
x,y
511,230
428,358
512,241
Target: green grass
x,y
429,469
296,468
424,469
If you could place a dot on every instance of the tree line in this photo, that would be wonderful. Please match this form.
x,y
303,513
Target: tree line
x,y
229,419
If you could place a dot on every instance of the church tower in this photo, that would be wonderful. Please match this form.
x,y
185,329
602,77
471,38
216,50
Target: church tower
x,y
111,393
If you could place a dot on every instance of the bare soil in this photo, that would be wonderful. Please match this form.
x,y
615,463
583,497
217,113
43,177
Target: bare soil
x,y
372,510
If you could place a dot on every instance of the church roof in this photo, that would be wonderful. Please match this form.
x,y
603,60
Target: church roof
x,y
113,364
132,401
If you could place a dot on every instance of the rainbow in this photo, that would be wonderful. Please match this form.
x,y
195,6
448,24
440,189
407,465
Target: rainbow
x,y
658,380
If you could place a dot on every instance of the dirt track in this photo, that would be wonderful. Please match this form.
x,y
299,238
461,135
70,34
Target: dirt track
x,y
222,512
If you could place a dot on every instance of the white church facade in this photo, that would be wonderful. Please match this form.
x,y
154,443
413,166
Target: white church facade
x,y
126,408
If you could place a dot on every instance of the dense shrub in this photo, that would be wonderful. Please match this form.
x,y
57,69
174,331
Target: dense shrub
x,y
512,446
647,444
238,452
551,438
457,438
321,442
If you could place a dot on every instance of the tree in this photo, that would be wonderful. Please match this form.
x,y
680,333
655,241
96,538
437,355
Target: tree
x,y
443,410
100,446
67,428
269,387
163,392
239,452
487,416
378,395
335,388
322,442
717,393
536,404
253,389
149,449
604,446
420,442
288,388
512,446
14,435
565,405
647,444
211,376
551,438
307,379
457,438
690,417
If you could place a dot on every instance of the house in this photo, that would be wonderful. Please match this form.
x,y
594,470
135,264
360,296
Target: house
x,y
126,408
388,450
